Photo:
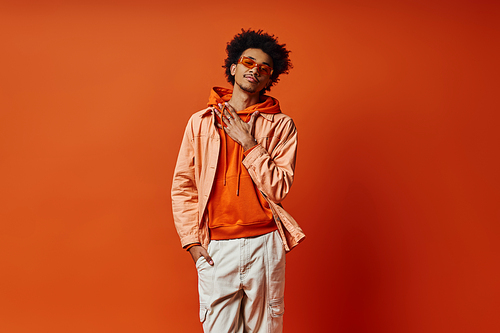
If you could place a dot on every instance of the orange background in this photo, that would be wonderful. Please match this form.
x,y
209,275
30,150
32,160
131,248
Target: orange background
x,y
396,104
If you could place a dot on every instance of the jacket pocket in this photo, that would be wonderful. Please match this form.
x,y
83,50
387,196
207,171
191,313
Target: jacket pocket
x,y
277,307
203,312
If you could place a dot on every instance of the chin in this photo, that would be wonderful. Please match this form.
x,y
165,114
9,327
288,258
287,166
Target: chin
x,y
249,89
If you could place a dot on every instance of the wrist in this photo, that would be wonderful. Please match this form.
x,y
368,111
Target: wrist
x,y
251,142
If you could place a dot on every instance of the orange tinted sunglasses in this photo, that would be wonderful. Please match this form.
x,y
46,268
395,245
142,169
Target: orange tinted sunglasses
x,y
250,63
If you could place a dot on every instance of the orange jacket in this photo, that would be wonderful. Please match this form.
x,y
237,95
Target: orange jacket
x,y
270,164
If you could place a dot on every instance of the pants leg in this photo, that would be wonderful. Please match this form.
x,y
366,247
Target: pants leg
x,y
243,292
264,284
219,289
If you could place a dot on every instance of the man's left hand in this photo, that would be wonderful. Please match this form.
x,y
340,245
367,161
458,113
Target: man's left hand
x,y
237,129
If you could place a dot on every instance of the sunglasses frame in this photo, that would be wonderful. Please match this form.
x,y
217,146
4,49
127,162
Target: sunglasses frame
x,y
255,64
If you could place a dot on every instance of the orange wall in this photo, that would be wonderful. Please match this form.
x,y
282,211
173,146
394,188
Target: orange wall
x,y
397,179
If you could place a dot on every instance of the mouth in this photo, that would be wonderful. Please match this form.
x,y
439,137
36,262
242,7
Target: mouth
x,y
251,78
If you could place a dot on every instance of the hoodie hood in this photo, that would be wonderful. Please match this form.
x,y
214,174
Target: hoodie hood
x,y
267,104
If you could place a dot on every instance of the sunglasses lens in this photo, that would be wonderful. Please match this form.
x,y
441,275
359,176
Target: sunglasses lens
x,y
249,63
266,70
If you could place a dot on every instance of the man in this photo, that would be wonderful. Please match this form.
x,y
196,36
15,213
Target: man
x,y
235,165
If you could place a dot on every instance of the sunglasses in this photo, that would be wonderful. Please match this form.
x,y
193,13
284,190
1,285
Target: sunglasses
x,y
249,63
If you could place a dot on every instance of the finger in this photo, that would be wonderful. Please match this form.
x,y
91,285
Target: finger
x,y
222,108
224,119
231,110
218,113
226,109
209,260
207,257
227,115
253,118
229,107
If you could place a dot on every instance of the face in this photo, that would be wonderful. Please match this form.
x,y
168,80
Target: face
x,y
252,80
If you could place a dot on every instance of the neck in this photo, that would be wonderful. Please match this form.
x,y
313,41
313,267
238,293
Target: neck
x,y
242,99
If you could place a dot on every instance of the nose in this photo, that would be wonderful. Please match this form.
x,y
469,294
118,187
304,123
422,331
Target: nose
x,y
255,70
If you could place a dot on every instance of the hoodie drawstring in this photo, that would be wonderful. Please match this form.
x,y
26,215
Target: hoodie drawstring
x,y
240,160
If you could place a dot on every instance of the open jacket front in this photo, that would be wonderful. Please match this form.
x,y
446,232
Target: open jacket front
x,y
271,165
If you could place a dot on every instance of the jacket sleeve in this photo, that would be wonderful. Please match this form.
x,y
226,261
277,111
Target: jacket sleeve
x,y
273,171
185,193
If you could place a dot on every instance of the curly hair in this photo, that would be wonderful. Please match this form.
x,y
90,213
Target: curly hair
x,y
251,39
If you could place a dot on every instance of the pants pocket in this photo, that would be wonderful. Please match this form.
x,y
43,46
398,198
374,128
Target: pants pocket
x,y
203,312
277,308
205,283
199,261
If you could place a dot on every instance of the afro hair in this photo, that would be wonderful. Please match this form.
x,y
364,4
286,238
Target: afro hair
x,y
251,39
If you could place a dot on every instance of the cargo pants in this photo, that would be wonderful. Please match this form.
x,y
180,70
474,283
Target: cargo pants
x,y
244,290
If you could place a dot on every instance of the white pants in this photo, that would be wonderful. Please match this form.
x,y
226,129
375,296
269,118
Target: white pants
x,y
243,292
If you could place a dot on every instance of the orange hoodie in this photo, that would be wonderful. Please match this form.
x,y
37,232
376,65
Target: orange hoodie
x,y
236,207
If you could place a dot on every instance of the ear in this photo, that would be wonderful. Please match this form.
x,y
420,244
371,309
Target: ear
x,y
233,69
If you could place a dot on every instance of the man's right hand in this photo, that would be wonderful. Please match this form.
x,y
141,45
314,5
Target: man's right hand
x,y
198,251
